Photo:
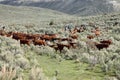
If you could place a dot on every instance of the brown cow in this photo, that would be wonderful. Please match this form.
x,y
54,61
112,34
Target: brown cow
x,y
106,41
100,46
96,32
33,36
2,33
60,47
74,36
18,36
79,29
50,37
90,36
54,36
45,37
25,41
73,44
9,34
39,42
65,39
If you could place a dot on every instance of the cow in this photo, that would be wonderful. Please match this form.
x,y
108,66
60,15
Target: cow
x,y
53,36
2,33
65,39
18,36
33,36
81,29
25,41
106,41
60,47
100,46
9,34
49,37
75,29
45,37
39,42
96,31
73,44
90,36
74,36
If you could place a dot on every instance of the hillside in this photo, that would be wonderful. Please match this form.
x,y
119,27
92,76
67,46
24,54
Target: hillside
x,y
23,56
73,7
29,14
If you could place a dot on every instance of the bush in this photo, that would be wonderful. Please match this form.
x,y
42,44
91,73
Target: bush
x,y
37,74
51,23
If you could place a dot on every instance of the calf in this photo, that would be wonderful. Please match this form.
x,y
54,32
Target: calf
x,y
90,36
2,33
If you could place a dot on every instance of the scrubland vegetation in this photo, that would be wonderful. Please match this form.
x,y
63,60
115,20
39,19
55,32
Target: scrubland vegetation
x,y
23,62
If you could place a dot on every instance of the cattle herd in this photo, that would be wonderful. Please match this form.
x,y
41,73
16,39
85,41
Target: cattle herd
x,y
56,40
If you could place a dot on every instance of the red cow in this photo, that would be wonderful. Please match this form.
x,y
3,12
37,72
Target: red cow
x,y
50,37
33,36
18,36
54,37
45,37
39,42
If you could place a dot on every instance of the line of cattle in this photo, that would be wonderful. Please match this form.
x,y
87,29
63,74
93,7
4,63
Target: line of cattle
x,y
44,39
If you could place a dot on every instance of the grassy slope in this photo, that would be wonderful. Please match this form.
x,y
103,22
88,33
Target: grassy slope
x,y
68,70
22,14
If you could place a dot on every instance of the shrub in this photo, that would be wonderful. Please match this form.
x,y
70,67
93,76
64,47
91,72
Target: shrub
x,y
22,63
51,23
37,74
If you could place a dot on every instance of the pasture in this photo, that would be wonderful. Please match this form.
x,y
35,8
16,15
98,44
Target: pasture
x,y
85,61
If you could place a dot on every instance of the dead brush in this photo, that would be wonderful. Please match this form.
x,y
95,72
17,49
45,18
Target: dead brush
x,y
7,73
37,74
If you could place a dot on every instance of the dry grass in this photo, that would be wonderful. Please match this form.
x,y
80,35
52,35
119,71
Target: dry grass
x,y
37,74
7,73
